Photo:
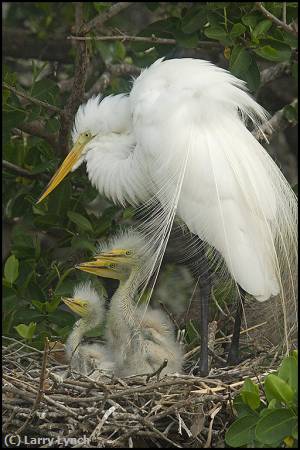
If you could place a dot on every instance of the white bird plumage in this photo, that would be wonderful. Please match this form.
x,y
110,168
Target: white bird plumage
x,y
180,137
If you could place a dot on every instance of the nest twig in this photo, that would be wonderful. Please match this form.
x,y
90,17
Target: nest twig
x,y
175,411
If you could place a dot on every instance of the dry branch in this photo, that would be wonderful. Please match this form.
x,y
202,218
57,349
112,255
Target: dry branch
x,y
99,20
18,170
145,39
32,99
278,122
80,76
280,23
274,72
38,129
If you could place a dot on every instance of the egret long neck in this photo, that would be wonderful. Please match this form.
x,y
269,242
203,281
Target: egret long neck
x,y
75,338
122,312
80,329
115,168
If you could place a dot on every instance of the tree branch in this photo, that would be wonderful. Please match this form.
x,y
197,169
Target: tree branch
x,y
278,122
112,70
146,39
80,76
99,20
37,129
280,23
274,72
19,170
123,69
32,99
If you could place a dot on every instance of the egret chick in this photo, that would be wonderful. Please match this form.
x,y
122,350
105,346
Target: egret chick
x,y
139,339
84,358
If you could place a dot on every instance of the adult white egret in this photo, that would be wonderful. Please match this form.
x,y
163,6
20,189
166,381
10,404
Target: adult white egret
x,y
85,358
180,138
139,340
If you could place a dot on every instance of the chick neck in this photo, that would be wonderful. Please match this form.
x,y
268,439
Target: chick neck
x,y
122,316
80,329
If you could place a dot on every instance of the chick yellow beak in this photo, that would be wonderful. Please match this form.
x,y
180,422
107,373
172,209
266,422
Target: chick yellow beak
x,y
67,165
117,255
101,267
76,305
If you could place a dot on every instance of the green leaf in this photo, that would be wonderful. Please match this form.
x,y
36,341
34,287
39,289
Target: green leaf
x,y
261,28
40,306
274,51
275,426
120,50
79,243
277,388
81,221
52,306
46,90
291,113
274,404
187,40
26,331
241,432
215,32
240,60
295,71
194,19
237,30
250,394
11,119
241,408
252,76
250,20
288,371
101,6
11,269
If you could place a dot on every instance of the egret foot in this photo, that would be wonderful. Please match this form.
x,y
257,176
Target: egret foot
x,y
233,357
202,367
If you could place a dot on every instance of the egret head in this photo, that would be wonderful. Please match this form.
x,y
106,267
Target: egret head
x,y
86,302
94,119
118,257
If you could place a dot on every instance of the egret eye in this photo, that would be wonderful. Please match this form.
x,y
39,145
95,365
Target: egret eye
x,y
128,252
112,266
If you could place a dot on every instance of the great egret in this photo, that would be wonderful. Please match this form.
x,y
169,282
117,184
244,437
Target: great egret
x,y
85,358
139,339
180,137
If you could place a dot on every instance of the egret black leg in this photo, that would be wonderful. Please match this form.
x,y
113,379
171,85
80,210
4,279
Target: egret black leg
x,y
205,292
198,264
233,354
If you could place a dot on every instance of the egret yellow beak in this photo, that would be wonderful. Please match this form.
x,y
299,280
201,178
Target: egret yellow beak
x,y
67,165
117,255
77,305
102,267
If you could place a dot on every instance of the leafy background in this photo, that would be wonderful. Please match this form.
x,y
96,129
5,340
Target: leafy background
x,y
41,243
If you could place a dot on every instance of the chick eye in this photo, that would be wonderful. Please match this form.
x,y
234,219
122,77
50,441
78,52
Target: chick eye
x,y
86,134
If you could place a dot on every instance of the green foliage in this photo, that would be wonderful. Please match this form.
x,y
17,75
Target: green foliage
x,y
273,423
26,331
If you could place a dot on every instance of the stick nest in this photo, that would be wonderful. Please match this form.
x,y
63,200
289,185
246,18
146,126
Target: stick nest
x,y
139,411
